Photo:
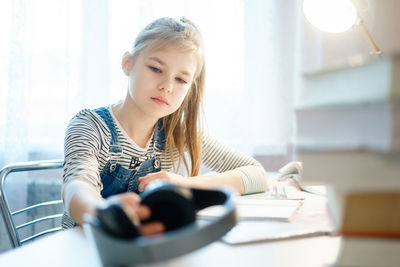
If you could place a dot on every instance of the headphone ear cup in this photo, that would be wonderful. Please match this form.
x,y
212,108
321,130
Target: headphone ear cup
x,y
114,221
171,207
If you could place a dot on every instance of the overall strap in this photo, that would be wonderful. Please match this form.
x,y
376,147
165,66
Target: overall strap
x,y
105,114
159,136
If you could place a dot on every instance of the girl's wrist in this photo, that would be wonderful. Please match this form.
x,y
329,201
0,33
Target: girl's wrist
x,y
188,182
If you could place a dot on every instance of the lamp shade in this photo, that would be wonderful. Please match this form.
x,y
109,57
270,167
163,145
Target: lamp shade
x,y
330,15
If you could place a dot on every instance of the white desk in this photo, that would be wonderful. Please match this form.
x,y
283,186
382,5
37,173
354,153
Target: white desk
x,y
70,248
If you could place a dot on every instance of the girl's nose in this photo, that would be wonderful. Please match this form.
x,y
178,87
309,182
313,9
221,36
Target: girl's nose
x,y
166,84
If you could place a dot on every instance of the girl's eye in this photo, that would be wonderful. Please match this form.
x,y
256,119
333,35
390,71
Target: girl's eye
x,y
155,69
180,80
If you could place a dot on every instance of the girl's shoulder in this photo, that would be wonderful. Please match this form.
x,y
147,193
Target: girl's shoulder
x,y
86,113
90,115
83,114
89,118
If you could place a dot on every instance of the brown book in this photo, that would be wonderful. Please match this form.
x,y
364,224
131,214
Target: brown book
x,y
368,252
373,214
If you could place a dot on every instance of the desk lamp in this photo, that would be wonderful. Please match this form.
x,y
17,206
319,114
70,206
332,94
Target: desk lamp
x,y
337,16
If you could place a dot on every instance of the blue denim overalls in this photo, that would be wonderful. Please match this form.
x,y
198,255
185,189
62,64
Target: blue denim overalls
x,y
117,179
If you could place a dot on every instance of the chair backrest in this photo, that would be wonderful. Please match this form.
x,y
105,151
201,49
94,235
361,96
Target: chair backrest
x,y
8,215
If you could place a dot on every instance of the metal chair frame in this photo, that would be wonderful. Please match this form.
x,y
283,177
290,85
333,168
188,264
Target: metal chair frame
x,y
8,214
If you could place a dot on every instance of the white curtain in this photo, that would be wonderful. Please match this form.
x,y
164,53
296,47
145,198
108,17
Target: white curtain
x,y
40,76
58,57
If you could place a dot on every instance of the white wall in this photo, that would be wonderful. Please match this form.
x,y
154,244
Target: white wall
x,y
327,49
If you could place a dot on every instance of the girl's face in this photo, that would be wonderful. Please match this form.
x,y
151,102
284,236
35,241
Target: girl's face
x,y
159,80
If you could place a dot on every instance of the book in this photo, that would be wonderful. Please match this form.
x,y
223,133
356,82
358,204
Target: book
x,y
369,252
348,138
365,214
360,170
373,126
311,220
375,80
363,189
372,214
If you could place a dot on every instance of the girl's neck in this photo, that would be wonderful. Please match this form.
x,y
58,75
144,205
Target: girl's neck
x,y
138,126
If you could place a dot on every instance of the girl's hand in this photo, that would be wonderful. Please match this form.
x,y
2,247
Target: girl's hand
x,y
131,204
170,177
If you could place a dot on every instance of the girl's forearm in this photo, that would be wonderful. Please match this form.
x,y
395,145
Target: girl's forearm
x,y
82,199
231,178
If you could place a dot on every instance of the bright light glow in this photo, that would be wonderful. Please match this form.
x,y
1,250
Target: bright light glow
x,y
330,15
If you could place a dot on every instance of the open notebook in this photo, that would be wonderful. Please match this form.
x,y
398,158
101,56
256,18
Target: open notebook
x,y
265,219
259,209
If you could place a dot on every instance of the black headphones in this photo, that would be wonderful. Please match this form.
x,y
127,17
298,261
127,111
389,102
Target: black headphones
x,y
118,241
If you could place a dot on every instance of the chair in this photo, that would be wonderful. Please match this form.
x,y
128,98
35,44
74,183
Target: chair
x,y
8,215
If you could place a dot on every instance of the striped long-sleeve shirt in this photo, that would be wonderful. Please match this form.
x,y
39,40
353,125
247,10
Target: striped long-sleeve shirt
x,y
87,144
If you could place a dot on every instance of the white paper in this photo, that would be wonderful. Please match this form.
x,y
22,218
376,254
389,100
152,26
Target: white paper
x,y
257,231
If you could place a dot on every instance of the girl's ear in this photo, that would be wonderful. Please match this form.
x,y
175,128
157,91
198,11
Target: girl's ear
x,y
127,63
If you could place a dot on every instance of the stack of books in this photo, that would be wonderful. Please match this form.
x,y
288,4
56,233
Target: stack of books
x,y
348,136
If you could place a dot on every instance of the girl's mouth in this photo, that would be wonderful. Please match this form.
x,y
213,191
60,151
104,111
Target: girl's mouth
x,y
160,100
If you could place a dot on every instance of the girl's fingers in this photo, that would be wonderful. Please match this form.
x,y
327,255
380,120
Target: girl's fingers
x,y
144,182
130,198
126,199
142,186
152,228
143,212
150,176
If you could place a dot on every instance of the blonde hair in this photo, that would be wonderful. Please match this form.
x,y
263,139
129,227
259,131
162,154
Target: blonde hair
x,y
182,128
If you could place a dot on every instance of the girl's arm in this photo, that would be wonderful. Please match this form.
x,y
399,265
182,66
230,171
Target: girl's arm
x,y
86,199
81,198
230,178
81,179
233,168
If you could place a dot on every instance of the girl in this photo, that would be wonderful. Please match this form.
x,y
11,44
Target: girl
x,y
117,150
